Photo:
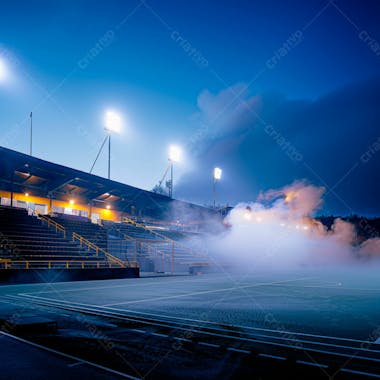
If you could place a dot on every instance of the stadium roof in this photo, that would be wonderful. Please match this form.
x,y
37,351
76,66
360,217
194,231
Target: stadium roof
x,y
22,173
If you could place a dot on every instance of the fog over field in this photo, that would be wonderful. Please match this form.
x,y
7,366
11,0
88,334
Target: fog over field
x,y
279,230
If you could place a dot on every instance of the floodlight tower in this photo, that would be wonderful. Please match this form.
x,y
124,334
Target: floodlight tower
x,y
112,124
3,71
217,175
175,154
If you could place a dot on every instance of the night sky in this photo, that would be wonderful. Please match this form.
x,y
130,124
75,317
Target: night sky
x,y
270,91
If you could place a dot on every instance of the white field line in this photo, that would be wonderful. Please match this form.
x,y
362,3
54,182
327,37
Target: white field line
x,y
280,332
202,292
198,321
78,289
277,344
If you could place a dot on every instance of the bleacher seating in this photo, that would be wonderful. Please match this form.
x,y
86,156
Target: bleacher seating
x,y
24,237
83,226
149,245
154,249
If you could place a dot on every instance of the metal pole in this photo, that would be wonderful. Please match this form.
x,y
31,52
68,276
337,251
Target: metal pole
x,y
97,156
214,192
13,174
109,156
171,179
31,133
173,257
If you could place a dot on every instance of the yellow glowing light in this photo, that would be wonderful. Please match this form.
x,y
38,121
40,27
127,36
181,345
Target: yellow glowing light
x,y
27,194
289,196
108,207
71,201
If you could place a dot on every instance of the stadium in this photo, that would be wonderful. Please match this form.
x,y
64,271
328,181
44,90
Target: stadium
x,y
61,227
238,236
66,221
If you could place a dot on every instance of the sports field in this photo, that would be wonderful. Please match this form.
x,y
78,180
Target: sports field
x,y
339,302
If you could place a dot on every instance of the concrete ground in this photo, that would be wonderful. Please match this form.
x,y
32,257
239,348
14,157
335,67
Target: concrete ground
x,y
20,360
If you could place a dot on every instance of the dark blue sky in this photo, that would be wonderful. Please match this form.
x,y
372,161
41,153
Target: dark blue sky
x,y
210,76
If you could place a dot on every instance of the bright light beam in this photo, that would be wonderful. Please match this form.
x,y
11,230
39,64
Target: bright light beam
x,y
217,174
3,71
175,153
112,122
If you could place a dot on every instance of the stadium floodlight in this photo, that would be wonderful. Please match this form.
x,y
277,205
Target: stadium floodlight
x,y
175,155
217,175
112,122
3,71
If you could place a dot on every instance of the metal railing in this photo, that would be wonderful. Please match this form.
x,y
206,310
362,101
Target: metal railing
x,y
150,246
166,239
58,264
131,221
168,250
84,242
52,223
91,246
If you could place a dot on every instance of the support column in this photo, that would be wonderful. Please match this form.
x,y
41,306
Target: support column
x,y
173,257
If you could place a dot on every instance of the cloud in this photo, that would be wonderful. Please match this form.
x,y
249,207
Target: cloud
x,y
225,113
222,116
323,140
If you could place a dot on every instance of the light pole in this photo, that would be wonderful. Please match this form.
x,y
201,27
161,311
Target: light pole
x,y
171,180
109,156
112,123
31,133
174,156
217,175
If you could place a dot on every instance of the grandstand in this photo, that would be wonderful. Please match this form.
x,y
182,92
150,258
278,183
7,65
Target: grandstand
x,y
81,226
166,250
34,248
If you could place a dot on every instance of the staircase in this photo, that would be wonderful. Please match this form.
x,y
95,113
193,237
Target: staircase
x,y
84,227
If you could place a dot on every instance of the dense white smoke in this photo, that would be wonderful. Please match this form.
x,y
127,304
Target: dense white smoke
x,y
279,231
